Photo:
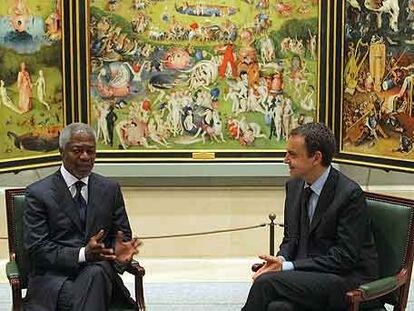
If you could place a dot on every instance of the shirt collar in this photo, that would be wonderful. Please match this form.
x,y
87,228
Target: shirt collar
x,y
320,182
70,180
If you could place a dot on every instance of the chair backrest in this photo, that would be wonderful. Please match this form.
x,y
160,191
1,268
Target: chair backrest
x,y
393,227
15,205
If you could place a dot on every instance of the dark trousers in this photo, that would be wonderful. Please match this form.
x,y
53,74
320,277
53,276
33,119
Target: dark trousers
x,y
297,291
91,290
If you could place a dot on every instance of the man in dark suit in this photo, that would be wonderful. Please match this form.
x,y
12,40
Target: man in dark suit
x,y
77,232
328,247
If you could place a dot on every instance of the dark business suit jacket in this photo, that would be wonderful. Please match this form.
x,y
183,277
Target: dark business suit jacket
x,y
53,234
339,239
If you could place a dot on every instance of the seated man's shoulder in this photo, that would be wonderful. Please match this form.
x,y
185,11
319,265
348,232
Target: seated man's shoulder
x,y
94,177
347,184
42,184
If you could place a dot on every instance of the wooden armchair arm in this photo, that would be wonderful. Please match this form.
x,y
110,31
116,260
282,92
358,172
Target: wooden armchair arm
x,y
376,289
257,266
135,268
138,271
12,272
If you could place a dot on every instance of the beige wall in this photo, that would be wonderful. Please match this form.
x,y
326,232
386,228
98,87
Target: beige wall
x,y
163,211
157,211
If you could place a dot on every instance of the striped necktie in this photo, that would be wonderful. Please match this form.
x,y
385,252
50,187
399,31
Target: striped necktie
x,y
79,199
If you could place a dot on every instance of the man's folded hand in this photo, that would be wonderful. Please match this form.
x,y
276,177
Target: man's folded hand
x,y
124,251
272,264
95,249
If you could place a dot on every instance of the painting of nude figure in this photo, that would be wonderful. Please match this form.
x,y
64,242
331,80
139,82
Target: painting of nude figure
x,y
201,74
377,108
31,92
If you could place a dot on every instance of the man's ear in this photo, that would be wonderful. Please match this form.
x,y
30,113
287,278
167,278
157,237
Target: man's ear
x,y
318,157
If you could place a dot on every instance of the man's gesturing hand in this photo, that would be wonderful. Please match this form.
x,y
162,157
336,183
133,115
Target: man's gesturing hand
x,y
124,251
272,264
96,251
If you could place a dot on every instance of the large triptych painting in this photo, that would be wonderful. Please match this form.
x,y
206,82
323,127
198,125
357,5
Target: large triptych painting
x,y
220,80
376,113
213,75
32,96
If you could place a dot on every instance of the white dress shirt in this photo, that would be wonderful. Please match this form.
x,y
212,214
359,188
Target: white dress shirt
x,y
70,181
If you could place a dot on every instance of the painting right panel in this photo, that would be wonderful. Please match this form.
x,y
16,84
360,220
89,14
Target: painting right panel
x,y
373,115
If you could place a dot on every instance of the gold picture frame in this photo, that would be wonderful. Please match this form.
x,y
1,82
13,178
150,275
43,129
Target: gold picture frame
x,y
144,56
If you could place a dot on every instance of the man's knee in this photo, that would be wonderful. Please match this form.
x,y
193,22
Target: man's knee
x,y
337,294
280,305
93,281
266,282
263,279
65,298
94,272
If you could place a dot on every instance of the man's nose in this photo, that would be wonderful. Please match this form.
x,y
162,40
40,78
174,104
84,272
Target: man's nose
x,y
84,155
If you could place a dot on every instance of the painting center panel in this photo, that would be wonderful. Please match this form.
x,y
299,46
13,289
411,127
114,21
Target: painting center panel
x,y
216,75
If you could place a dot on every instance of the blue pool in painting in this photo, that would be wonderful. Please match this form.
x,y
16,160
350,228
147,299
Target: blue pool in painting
x,y
28,41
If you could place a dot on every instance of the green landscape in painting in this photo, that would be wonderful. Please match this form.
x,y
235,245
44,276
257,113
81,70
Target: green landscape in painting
x,y
31,93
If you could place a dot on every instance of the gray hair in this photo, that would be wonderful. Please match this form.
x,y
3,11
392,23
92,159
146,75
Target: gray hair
x,y
73,128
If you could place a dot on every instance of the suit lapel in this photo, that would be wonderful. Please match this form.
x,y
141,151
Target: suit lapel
x,y
94,191
293,208
325,199
63,198
296,201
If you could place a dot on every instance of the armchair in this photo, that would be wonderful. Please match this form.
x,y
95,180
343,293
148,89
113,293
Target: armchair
x,y
19,265
392,221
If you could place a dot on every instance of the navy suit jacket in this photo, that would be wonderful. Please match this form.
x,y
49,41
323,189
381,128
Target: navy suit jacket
x,y
53,234
339,239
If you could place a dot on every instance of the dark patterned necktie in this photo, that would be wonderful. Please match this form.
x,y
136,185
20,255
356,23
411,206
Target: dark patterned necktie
x,y
79,199
307,192
302,251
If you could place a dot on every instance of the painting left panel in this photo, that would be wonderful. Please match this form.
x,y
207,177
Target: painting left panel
x,y
34,86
